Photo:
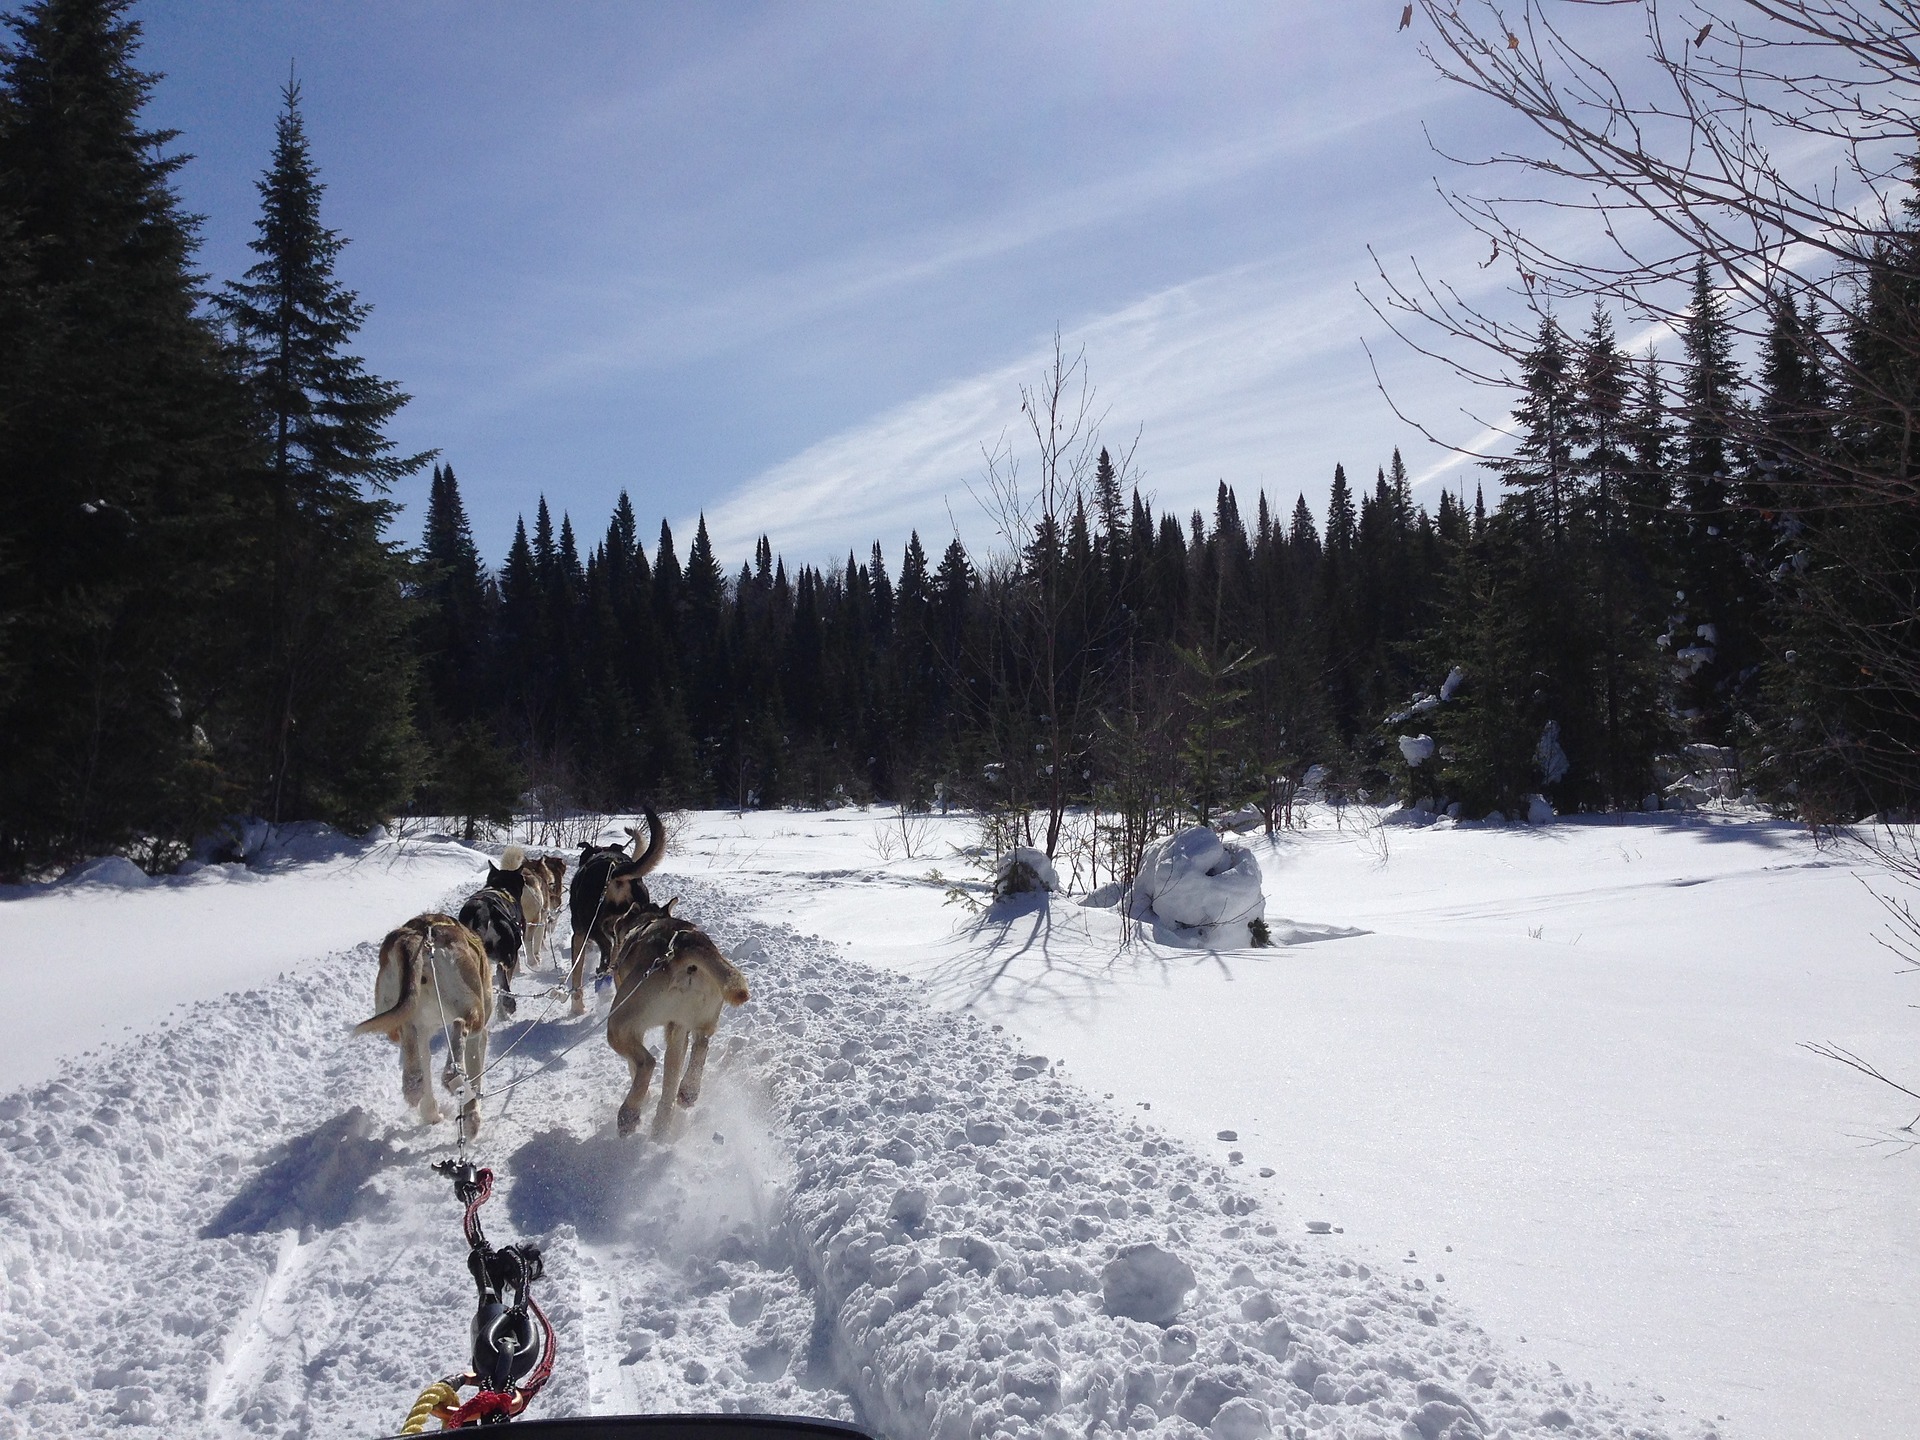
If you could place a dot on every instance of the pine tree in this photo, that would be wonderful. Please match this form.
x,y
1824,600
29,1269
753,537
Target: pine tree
x,y
1622,577
333,706
1542,464
1717,644
454,601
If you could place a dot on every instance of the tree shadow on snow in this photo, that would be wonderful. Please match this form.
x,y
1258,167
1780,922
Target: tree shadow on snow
x,y
1034,948
312,1181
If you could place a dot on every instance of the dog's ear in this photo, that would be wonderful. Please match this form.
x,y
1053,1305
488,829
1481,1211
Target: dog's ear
x,y
667,909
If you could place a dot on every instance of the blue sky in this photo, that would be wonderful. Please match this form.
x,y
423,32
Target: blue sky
x,y
789,264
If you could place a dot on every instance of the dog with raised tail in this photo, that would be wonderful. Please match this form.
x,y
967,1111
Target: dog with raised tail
x,y
433,979
668,974
609,884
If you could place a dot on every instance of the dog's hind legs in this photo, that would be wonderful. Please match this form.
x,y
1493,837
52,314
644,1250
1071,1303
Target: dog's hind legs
x,y
414,1084
576,979
640,1068
451,1076
696,1067
673,1059
474,1046
506,1004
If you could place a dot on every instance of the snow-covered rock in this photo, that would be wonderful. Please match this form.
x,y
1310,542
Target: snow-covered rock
x,y
1199,890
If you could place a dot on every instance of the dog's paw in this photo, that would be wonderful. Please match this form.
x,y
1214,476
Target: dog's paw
x,y
688,1095
579,1006
628,1120
506,1004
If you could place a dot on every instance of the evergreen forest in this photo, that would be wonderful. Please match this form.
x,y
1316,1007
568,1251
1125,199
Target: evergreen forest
x,y
207,606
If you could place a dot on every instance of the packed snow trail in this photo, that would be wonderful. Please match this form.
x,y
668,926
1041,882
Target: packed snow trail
x,y
878,1212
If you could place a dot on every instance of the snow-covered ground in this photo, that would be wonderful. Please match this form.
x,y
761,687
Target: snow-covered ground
x,y
134,948
1560,1067
1555,1066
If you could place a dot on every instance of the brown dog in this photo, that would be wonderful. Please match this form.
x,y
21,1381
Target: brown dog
x,y
669,974
433,977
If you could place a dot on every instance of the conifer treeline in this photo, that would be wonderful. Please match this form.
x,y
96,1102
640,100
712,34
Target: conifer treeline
x,y
1658,573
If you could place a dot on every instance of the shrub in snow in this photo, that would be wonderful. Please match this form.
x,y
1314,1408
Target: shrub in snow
x,y
1199,890
1144,1282
1024,870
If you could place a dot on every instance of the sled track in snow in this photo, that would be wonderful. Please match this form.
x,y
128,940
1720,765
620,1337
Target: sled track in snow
x,y
877,1212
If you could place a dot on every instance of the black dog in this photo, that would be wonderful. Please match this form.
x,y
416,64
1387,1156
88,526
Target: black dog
x,y
607,883
494,915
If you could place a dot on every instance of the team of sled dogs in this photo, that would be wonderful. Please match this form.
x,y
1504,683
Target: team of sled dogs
x,y
447,975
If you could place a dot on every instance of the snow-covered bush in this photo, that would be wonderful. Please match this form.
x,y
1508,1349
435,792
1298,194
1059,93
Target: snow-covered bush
x,y
1199,890
1024,870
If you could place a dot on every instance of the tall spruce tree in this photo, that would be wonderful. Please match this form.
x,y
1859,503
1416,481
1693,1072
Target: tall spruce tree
x,y
455,597
334,673
1716,644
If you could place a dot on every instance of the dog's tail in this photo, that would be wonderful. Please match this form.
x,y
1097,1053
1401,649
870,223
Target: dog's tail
x,y
656,849
513,857
409,946
733,984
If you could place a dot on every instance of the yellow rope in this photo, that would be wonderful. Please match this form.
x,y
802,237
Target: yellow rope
x,y
435,1398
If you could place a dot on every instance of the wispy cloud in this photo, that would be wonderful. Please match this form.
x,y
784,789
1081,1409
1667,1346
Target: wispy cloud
x,y
1253,375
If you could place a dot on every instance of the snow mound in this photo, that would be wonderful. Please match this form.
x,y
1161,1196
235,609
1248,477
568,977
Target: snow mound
x,y
261,845
1416,749
1539,810
1024,870
109,872
1198,890
1240,822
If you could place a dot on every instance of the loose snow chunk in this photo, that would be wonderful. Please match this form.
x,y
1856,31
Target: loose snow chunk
x,y
1241,1419
1144,1282
1200,890
1416,749
1452,682
1024,869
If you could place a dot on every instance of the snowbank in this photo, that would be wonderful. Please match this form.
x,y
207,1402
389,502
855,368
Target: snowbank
x,y
1198,890
261,845
109,872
